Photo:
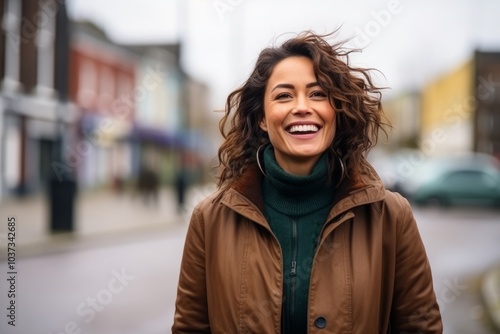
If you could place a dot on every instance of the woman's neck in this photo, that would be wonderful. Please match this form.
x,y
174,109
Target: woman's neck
x,y
296,166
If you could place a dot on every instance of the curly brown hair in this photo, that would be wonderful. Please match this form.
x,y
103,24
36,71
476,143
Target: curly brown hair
x,y
356,100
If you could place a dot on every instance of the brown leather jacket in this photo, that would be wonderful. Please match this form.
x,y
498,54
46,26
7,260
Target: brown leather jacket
x,y
370,273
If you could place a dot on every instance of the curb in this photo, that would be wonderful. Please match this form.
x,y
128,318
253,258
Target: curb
x,y
490,291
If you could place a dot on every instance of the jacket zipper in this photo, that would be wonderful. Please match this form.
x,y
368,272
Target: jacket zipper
x,y
293,270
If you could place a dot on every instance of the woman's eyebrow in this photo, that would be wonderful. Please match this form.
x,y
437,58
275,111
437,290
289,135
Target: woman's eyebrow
x,y
312,84
290,86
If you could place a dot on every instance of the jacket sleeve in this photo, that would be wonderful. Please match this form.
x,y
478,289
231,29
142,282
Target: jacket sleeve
x,y
415,308
191,311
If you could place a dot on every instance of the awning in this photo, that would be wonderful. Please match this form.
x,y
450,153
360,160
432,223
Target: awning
x,y
156,136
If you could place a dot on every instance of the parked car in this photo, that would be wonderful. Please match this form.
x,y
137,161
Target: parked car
x,y
396,167
466,179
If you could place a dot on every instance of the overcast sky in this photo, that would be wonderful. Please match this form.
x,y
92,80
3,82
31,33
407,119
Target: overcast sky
x,y
410,42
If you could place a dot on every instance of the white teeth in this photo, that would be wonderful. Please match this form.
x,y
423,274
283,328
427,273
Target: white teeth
x,y
303,128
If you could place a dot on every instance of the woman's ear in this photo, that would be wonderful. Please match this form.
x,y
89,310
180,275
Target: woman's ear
x,y
262,124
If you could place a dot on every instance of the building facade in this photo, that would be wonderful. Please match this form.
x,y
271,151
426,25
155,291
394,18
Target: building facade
x,y
160,111
460,110
103,88
173,130
403,113
75,105
36,116
487,92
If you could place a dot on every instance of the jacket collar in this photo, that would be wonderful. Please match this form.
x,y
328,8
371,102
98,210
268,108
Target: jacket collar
x,y
363,188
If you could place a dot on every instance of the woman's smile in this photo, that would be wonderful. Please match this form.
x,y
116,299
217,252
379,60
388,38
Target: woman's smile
x,y
303,131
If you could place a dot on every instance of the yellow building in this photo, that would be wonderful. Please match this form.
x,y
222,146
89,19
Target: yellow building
x,y
460,111
447,107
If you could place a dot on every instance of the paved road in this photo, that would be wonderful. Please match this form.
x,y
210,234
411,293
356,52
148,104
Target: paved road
x,y
462,244
127,285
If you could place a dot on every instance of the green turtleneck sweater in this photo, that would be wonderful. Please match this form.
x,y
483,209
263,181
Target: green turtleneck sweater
x,y
296,208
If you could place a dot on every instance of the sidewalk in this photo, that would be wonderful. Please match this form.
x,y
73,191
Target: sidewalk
x,y
100,216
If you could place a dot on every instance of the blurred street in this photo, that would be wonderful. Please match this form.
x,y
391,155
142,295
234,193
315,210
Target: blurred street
x,y
103,282
115,274
119,104
462,245
123,287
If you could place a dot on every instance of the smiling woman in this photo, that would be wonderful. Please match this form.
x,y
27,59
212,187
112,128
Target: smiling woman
x,y
322,69
301,235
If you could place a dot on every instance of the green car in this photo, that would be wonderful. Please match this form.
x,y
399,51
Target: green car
x,y
460,184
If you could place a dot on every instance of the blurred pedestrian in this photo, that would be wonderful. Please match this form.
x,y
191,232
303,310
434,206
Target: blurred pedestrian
x,y
301,235
180,189
148,185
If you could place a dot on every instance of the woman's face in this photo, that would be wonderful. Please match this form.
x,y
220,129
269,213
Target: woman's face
x,y
298,116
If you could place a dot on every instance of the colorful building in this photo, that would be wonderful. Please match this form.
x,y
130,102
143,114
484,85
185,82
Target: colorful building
x,y
160,110
103,88
487,116
448,105
403,113
172,128
75,105
35,116
460,110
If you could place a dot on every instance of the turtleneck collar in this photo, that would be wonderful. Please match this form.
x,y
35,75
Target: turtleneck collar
x,y
292,194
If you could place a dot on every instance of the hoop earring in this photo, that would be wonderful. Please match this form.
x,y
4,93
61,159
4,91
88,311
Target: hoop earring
x,y
257,154
342,174
342,168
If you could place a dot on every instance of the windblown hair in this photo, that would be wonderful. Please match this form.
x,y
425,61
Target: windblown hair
x,y
355,99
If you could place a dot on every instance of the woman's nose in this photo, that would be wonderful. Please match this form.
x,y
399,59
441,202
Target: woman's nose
x,y
302,106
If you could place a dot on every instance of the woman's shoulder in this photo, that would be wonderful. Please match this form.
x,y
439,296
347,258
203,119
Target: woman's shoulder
x,y
396,200
394,207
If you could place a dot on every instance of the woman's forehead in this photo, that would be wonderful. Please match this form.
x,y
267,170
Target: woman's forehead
x,y
292,69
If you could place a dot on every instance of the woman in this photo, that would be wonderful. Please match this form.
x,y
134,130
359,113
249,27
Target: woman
x,y
302,237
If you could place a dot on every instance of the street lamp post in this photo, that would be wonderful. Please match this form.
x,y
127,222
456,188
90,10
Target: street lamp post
x,y
62,186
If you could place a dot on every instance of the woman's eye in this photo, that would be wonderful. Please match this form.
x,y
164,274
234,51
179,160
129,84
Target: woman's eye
x,y
318,94
282,96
